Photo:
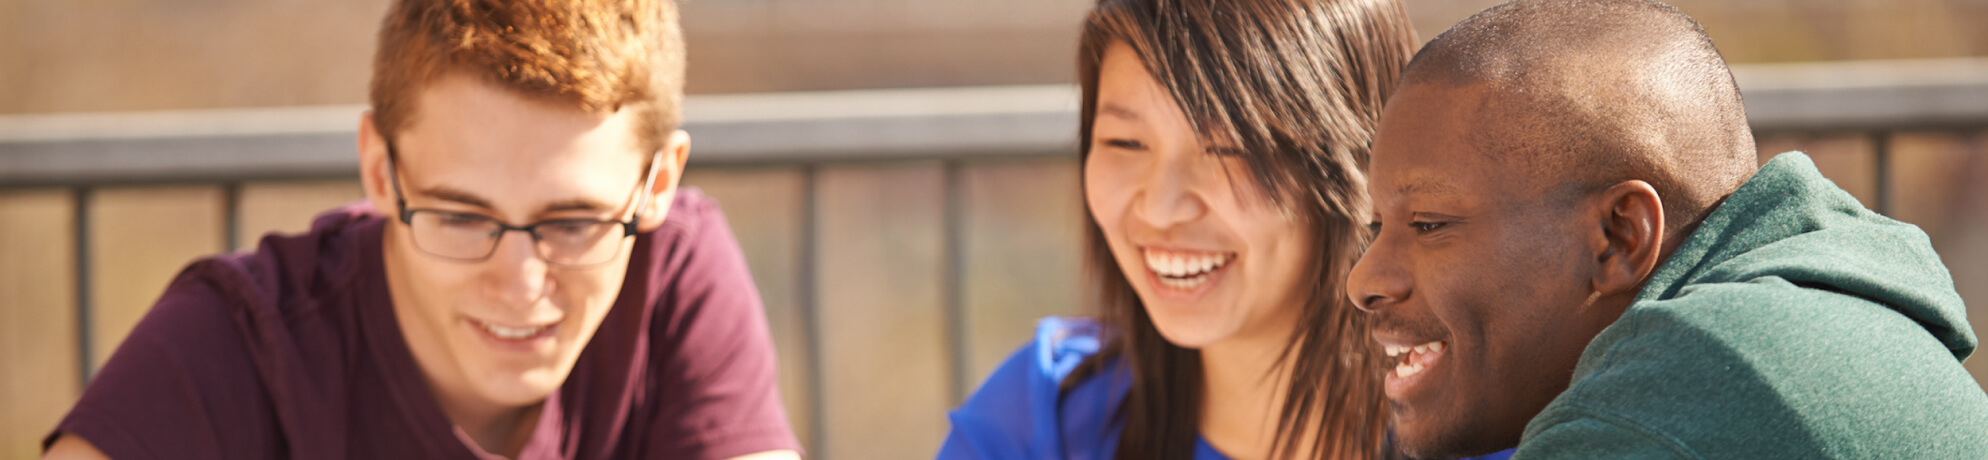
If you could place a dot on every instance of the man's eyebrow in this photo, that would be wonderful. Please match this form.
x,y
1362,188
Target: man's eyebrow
x,y
573,204
1415,187
1118,111
446,193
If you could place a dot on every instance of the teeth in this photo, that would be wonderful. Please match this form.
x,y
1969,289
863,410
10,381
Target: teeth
x,y
1398,350
511,333
1407,364
1180,284
1405,369
1179,265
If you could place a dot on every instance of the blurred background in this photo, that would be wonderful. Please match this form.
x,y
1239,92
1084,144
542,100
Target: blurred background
x,y
901,173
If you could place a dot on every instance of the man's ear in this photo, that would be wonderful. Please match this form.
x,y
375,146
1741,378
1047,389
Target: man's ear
x,y
1632,236
675,153
373,164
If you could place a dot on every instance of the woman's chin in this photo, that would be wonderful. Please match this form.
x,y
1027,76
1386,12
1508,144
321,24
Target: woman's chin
x,y
1192,333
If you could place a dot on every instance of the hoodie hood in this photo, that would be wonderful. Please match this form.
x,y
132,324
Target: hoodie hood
x,y
1790,222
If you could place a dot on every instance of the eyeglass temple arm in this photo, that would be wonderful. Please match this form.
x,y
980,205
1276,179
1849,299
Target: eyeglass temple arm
x,y
630,227
393,179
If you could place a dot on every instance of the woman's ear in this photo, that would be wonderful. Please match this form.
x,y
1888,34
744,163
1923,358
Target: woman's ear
x,y
669,171
1632,230
373,164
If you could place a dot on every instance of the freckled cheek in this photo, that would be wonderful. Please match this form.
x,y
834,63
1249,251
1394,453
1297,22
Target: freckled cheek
x,y
586,299
442,283
573,289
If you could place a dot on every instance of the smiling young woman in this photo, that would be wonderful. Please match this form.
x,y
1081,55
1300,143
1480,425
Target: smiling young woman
x,y
1224,147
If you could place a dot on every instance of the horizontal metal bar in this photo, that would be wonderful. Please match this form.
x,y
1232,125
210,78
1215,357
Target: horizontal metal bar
x,y
306,142
882,124
179,158
871,125
1866,95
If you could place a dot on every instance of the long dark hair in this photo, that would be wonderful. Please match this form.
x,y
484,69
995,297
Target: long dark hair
x,y
1298,85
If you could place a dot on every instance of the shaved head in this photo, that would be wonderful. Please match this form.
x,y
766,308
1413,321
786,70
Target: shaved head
x,y
1584,94
1540,160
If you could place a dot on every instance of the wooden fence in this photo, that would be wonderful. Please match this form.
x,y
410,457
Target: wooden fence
x,y
904,241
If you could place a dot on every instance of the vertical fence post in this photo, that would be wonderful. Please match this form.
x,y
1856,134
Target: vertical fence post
x,y
954,280
1881,153
231,216
85,367
809,299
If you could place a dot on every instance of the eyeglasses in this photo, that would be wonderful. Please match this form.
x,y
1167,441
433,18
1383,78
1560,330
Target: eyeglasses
x,y
570,243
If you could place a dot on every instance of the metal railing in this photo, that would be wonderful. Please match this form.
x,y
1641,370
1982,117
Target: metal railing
x,y
83,152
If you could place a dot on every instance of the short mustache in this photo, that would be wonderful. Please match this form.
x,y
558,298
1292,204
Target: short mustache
x,y
1429,329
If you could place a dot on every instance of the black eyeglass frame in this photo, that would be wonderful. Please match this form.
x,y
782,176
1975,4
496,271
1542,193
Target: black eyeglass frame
x,y
629,227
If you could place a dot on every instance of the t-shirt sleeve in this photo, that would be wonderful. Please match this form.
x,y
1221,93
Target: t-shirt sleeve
x,y
181,385
717,376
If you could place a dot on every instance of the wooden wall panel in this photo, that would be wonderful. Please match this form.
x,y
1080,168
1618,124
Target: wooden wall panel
x,y
38,348
306,53
140,238
1024,255
287,207
1846,159
764,208
882,320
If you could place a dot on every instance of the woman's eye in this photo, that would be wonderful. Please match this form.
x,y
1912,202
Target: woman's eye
x,y
1426,227
1127,144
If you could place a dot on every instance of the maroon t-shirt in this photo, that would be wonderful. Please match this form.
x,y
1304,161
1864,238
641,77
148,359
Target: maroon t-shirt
x,y
293,352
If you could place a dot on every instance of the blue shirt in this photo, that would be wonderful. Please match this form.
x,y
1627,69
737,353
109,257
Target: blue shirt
x,y
1021,412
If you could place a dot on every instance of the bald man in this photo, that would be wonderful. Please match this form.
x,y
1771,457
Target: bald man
x,y
1578,254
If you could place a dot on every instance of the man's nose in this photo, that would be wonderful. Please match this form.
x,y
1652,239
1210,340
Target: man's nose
x,y
514,274
1379,279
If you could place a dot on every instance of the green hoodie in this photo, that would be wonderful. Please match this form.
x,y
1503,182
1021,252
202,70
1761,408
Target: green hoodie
x,y
1793,323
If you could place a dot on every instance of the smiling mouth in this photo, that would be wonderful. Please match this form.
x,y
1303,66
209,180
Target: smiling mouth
x,y
509,333
1185,270
1410,360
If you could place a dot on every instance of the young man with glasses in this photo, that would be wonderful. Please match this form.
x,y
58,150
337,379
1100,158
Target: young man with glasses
x,y
524,279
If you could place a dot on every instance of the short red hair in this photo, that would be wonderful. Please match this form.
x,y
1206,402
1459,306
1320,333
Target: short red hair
x,y
600,56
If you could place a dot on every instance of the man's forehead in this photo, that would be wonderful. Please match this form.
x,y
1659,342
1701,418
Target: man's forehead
x,y
1423,122
1419,183
1431,144
1423,185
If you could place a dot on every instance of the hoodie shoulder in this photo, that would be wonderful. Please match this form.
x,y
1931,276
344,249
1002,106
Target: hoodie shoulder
x,y
1790,223
1768,369
1793,323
